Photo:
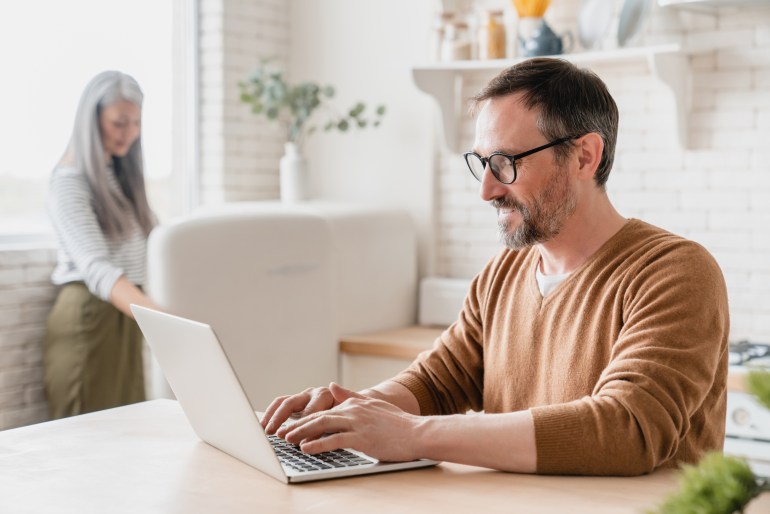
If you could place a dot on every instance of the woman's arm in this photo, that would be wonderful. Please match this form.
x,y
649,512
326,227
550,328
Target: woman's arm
x,y
124,293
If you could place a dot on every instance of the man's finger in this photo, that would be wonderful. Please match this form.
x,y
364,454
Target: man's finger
x,y
270,411
329,443
341,394
288,407
315,426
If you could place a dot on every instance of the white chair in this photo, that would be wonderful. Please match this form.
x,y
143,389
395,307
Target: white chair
x,y
280,284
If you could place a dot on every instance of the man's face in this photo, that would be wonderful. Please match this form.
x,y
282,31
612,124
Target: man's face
x,y
536,206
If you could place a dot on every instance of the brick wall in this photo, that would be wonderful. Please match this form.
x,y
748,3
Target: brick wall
x,y
26,296
717,191
239,152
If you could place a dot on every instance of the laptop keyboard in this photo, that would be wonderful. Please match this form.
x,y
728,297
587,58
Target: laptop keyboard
x,y
290,455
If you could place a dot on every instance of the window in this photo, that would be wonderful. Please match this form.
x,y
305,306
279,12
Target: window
x,y
49,50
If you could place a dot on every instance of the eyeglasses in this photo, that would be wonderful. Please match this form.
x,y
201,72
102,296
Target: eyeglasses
x,y
503,165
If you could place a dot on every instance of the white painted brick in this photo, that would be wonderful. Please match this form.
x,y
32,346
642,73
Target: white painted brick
x,y
716,159
675,180
23,416
737,179
650,159
760,160
763,121
728,201
761,327
11,276
38,274
742,18
718,39
646,200
760,200
13,357
21,336
721,220
35,395
702,99
722,240
25,256
10,317
735,139
622,180
752,58
20,376
733,119
677,221
12,398
35,314
701,62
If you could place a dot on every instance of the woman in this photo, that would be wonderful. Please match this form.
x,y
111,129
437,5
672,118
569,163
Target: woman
x,y
98,206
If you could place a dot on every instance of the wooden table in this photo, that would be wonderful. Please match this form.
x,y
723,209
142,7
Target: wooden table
x,y
145,459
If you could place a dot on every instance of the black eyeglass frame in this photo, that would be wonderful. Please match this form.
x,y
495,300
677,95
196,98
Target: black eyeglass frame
x,y
511,158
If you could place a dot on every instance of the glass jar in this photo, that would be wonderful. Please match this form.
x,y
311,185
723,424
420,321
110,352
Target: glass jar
x,y
491,35
456,45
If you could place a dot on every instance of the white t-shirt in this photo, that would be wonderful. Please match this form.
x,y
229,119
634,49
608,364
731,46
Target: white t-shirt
x,y
547,283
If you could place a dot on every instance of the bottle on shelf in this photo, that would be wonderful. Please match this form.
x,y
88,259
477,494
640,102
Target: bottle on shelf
x,y
441,20
456,45
491,35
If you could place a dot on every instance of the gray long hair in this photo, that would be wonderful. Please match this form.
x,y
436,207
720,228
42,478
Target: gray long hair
x,y
86,148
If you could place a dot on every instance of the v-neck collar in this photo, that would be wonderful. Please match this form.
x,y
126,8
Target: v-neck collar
x,y
534,257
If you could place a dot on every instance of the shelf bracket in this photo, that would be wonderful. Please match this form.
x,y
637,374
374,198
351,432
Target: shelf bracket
x,y
672,69
446,88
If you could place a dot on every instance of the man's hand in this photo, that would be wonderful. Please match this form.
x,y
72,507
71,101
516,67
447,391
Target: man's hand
x,y
372,426
309,401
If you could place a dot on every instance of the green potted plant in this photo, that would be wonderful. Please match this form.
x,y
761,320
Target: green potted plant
x,y
295,106
720,484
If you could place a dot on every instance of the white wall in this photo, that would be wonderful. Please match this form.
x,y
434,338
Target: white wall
x,y
365,50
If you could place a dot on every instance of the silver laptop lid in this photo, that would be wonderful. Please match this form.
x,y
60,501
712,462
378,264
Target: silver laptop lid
x,y
208,390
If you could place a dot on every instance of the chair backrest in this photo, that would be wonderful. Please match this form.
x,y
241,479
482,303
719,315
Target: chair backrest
x,y
280,284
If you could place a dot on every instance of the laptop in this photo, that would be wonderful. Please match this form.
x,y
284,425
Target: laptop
x,y
200,375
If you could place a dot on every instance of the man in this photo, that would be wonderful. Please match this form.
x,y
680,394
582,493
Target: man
x,y
593,344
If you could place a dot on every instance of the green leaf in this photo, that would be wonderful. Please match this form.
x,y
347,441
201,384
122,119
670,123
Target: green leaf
x,y
361,123
328,91
758,383
271,113
381,110
357,110
717,485
342,125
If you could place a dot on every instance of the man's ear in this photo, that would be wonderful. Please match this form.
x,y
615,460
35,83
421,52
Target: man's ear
x,y
589,150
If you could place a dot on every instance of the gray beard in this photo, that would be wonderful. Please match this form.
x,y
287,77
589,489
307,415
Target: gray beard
x,y
543,220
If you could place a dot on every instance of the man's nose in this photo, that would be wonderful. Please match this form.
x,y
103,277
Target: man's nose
x,y
491,188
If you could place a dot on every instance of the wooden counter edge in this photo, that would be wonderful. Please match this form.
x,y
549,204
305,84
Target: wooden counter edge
x,y
403,343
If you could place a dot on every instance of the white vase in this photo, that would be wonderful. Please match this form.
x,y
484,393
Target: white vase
x,y
293,175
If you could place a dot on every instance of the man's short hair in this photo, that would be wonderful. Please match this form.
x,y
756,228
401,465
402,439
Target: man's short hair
x,y
572,102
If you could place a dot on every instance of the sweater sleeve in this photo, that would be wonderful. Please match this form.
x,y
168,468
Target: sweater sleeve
x,y
449,378
79,232
670,358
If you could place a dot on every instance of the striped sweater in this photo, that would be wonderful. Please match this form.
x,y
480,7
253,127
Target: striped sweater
x,y
623,365
85,253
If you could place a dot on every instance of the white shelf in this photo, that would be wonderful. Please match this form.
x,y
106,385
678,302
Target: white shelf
x,y
444,81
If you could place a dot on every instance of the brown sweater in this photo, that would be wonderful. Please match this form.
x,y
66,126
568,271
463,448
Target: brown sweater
x,y
623,365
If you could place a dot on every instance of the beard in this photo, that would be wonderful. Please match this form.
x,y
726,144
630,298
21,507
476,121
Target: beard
x,y
543,219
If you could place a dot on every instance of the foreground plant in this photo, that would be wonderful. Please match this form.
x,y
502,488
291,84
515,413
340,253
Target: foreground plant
x,y
721,484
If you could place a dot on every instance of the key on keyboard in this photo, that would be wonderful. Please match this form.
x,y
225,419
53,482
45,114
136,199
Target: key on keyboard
x,y
290,455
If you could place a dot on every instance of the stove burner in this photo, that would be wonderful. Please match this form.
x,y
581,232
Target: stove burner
x,y
746,351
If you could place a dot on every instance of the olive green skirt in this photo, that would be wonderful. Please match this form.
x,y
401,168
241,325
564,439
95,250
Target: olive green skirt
x,y
92,355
